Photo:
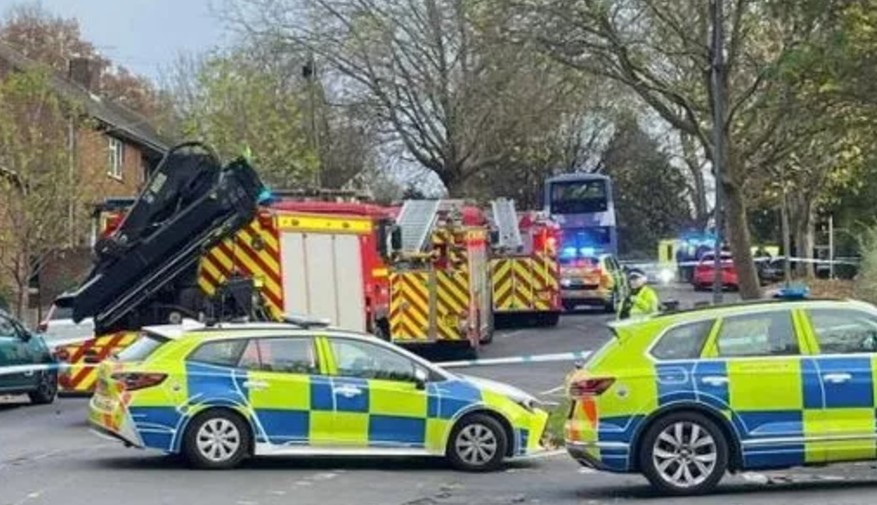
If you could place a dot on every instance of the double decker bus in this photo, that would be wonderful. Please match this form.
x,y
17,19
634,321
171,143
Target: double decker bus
x,y
582,204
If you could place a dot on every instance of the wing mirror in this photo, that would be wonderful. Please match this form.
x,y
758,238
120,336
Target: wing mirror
x,y
420,378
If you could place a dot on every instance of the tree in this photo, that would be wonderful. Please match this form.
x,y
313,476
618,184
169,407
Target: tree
x,y
650,193
660,50
37,180
233,104
431,71
54,41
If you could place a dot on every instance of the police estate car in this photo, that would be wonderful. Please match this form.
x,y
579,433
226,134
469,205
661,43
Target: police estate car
x,y
682,398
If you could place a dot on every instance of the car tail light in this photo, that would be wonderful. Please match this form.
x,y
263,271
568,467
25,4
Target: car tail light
x,y
590,387
136,380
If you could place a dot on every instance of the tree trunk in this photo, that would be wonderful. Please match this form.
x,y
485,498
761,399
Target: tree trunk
x,y
804,231
738,237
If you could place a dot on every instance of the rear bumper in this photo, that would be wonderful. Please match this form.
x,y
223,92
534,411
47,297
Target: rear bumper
x,y
109,418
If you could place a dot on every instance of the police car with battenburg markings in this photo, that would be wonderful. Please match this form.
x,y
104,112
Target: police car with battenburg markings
x,y
684,397
220,394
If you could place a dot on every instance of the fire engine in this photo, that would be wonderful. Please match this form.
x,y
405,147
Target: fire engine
x,y
439,283
524,265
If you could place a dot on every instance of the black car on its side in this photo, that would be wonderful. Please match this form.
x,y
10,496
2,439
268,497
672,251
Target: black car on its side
x,y
26,363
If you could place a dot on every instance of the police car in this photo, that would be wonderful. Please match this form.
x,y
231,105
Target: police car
x,y
218,395
685,397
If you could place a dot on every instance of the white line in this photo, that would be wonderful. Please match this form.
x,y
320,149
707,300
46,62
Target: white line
x,y
510,334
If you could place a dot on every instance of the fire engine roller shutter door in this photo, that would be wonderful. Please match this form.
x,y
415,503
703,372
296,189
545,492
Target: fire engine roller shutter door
x,y
323,277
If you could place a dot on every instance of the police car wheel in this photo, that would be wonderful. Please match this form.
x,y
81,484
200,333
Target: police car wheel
x,y
216,440
478,443
684,454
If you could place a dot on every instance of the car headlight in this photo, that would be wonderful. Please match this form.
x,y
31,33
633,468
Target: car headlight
x,y
566,282
529,403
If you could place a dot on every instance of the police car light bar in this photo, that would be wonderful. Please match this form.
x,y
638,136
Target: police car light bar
x,y
306,321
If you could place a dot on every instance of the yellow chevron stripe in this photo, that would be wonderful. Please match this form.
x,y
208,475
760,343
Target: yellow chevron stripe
x,y
267,281
264,254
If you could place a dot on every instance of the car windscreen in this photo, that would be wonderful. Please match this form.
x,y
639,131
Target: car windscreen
x,y
142,348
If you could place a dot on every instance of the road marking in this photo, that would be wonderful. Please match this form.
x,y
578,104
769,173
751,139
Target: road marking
x,y
510,334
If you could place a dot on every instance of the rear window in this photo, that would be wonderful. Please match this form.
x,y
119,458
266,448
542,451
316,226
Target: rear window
x,y
683,342
141,349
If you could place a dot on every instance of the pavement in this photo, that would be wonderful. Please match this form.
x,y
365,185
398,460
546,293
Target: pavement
x,y
48,456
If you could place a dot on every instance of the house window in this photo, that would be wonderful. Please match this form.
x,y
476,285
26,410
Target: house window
x,y
115,157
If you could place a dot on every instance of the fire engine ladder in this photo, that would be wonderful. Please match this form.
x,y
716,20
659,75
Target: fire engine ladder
x,y
506,219
416,219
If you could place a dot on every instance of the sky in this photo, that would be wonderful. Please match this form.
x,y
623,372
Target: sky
x,y
141,35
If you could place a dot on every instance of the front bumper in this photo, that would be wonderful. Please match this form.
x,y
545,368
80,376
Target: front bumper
x,y
586,295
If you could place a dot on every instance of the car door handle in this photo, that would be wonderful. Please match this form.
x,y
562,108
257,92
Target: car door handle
x,y
255,385
347,391
714,380
836,378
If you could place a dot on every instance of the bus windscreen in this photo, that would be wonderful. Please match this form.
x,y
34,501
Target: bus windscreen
x,y
579,197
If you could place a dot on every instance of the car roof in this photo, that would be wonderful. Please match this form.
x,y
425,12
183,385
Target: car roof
x,y
744,307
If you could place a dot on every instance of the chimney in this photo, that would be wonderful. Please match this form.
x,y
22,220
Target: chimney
x,y
83,71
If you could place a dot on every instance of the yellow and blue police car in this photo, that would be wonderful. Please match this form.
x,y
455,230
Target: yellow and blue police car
x,y
684,397
220,394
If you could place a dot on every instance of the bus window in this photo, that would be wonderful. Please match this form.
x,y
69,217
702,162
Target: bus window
x,y
575,197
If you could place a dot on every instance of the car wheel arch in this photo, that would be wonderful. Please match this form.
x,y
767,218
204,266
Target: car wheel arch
x,y
496,415
735,460
203,409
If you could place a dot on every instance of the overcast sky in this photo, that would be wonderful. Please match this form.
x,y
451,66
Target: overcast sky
x,y
142,35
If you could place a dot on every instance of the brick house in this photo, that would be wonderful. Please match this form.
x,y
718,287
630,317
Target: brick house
x,y
114,152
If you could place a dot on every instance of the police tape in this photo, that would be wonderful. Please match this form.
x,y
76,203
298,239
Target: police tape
x,y
30,369
517,360
757,259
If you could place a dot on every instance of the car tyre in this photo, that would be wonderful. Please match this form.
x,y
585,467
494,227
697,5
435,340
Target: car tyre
x,y
47,389
478,443
684,454
216,440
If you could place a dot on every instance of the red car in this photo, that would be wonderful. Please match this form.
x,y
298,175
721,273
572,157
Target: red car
x,y
704,272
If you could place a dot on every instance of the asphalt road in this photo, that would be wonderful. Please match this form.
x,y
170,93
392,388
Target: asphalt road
x,y
47,456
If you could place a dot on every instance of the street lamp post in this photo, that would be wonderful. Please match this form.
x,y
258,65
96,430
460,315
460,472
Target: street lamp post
x,y
718,138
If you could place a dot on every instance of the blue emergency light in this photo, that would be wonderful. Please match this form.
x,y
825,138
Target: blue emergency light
x,y
799,292
265,196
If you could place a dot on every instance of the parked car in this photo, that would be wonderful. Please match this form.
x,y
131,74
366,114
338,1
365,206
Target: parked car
x,y
21,349
219,395
704,272
682,398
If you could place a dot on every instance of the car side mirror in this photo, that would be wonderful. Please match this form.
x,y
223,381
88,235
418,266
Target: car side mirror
x,y
24,335
420,378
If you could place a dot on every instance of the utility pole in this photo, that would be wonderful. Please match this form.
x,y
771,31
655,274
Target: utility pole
x,y
718,70
309,72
